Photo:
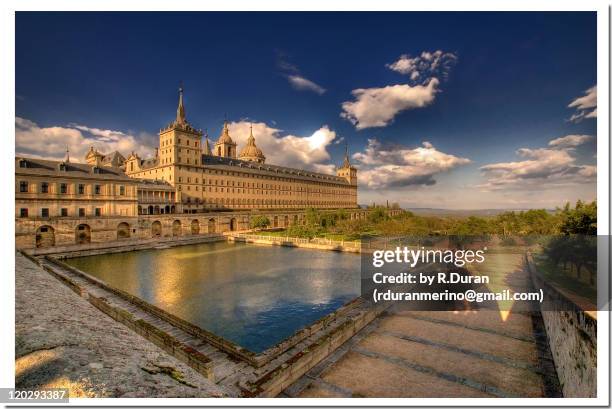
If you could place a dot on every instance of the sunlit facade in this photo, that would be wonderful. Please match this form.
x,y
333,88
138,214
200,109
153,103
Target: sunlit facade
x,y
222,177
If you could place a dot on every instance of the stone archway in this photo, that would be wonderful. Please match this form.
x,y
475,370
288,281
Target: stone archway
x,y
295,219
156,229
123,231
275,222
150,210
233,224
286,221
82,234
211,225
45,237
176,228
195,227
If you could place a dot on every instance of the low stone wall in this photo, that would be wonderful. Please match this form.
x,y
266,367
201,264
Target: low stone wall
x,y
572,334
168,343
279,378
93,249
349,246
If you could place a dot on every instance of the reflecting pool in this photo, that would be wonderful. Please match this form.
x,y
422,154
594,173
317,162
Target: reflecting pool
x,y
255,296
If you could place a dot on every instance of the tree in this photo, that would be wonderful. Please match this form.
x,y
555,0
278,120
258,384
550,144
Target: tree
x,y
378,215
312,217
260,222
582,219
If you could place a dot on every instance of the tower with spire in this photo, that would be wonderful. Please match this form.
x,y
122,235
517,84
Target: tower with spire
x,y
347,171
225,146
179,142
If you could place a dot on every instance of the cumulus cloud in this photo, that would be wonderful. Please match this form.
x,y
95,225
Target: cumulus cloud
x,y
303,84
586,105
421,68
51,142
376,107
395,166
570,141
543,168
308,152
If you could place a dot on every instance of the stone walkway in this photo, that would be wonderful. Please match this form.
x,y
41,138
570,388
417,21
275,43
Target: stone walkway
x,y
63,341
478,353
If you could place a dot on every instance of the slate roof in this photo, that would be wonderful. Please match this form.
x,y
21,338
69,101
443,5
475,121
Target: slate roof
x,y
52,168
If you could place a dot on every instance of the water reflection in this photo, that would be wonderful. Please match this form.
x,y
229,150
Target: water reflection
x,y
255,296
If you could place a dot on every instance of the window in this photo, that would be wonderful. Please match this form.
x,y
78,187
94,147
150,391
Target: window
x,y
23,187
98,212
64,212
44,212
63,188
81,212
81,189
122,190
23,212
97,189
44,187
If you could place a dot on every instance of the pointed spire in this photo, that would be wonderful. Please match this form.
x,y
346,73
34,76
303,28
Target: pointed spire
x,y
347,163
251,139
180,111
67,160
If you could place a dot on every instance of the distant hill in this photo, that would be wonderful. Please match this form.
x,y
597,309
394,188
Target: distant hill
x,y
427,211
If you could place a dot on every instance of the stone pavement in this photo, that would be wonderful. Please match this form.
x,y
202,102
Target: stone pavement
x,y
61,340
433,354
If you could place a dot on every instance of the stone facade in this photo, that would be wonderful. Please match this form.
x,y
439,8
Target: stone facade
x,y
186,189
69,231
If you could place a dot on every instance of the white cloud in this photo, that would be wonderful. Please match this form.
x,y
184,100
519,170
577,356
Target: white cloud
x,y
303,84
376,107
586,105
424,66
296,79
570,141
396,166
542,169
51,142
308,152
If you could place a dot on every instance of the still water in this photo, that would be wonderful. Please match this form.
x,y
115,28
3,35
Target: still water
x,y
255,296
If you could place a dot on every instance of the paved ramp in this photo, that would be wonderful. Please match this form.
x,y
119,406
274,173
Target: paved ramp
x,y
423,354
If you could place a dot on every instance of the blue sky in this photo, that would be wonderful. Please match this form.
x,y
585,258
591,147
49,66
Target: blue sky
x,y
502,82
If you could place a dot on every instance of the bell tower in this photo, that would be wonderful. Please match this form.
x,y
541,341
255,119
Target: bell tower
x,y
225,146
179,142
347,171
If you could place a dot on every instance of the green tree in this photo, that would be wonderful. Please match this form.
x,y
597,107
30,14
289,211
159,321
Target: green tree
x,y
260,222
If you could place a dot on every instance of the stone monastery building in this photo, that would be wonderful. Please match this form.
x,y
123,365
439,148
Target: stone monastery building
x,y
187,188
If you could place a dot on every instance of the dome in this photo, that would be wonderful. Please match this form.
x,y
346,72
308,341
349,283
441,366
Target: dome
x,y
251,152
225,136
